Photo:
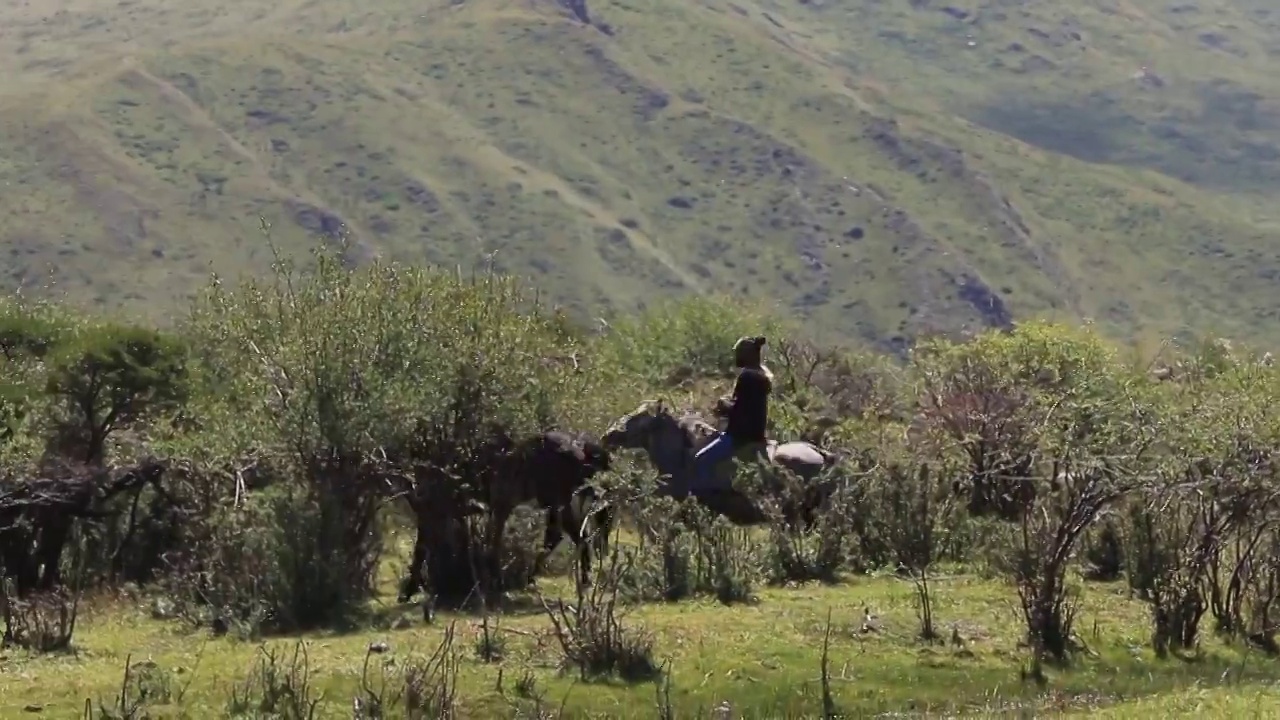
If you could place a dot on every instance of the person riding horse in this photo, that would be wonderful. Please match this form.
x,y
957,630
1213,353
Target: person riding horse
x,y
747,413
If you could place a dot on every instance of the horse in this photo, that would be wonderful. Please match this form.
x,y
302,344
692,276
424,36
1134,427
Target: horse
x,y
561,467
671,442
549,470
38,517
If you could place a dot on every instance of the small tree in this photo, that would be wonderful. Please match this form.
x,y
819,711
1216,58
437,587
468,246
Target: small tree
x,y
69,385
313,373
107,377
381,383
1196,535
678,340
912,503
29,331
1057,432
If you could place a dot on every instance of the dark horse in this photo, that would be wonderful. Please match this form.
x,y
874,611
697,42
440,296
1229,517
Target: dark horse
x,y
37,516
552,471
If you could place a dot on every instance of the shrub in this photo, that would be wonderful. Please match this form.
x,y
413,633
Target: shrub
x,y
800,552
145,685
41,622
1196,537
421,687
277,686
683,339
591,634
1045,418
685,550
267,566
28,333
386,379
104,378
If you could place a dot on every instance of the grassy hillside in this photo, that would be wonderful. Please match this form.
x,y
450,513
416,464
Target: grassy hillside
x,y
882,168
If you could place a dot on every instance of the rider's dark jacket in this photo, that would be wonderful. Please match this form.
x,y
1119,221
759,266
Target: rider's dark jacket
x,y
749,415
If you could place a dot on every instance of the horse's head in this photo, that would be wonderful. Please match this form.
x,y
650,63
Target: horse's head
x,y
597,456
651,426
633,430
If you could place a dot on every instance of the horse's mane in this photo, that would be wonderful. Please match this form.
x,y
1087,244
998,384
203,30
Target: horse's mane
x,y
691,423
663,407
595,453
694,423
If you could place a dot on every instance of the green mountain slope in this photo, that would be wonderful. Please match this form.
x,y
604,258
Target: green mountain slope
x,y
880,168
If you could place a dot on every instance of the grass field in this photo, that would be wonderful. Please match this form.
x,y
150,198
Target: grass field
x,y
763,660
880,169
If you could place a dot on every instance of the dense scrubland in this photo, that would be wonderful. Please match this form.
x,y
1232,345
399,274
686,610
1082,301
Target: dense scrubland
x,y
211,519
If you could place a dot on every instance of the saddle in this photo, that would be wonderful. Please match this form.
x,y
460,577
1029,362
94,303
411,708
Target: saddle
x,y
768,449
752,451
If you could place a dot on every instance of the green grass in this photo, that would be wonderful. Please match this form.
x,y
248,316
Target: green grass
x,y
141,141
763,659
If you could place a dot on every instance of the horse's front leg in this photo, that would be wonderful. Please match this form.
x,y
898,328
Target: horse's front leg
x,y
52,539
573,528
551,537
603,517
819,503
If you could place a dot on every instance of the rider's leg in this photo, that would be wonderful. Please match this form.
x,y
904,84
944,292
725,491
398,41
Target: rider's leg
x,y
708,459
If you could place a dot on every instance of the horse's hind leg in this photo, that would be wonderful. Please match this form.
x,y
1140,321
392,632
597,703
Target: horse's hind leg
x,y
494,542
412,582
